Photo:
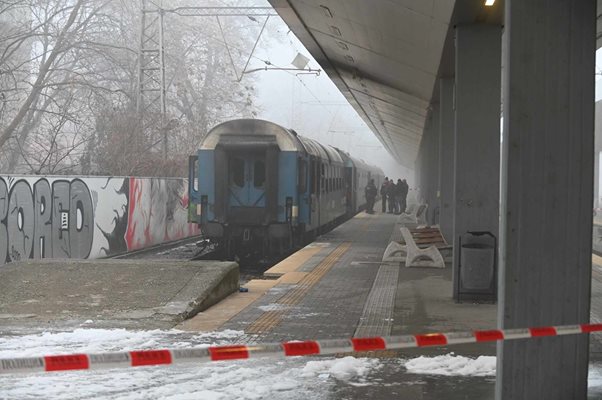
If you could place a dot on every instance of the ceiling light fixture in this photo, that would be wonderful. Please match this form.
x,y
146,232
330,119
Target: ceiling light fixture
x,y
335,30
489,3
327,11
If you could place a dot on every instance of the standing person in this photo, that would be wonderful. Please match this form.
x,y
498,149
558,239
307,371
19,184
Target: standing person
x,y
398,193
391,196
383,194
404,195
370,193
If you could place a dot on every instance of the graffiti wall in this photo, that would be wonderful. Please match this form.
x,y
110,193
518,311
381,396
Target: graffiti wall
x,y
89,217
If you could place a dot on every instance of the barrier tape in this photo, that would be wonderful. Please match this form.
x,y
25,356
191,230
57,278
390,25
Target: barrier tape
x,y
70,362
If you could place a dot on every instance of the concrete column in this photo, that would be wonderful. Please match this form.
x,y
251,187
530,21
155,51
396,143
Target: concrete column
x,y
547,175
446,158
433,168
429,151
598,148
477,133
596,178
417,174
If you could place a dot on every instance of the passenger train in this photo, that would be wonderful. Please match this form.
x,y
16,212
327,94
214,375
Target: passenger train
x,y
259,189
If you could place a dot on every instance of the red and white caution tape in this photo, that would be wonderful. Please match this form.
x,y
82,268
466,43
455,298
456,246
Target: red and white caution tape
x,y
140,358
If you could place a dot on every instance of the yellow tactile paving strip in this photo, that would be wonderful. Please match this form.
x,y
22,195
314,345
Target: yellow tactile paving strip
x,y
215,316
269,319
292,278
286,271
292,262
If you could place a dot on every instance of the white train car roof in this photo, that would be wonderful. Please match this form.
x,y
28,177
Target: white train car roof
x,y
317,149
362,165
235,130
263,132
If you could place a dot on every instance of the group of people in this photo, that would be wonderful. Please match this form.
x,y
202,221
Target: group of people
x,y
393,194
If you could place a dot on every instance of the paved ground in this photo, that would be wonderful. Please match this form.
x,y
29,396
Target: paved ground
x,y
142,294
343,289
338,287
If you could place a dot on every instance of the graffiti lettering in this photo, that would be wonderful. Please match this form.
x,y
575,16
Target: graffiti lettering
x,y
89,217
57,222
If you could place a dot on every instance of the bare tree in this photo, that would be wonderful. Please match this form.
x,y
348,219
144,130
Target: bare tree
x,y
68,82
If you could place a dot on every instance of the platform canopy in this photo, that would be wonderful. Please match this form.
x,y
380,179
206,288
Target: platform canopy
x,y
385,56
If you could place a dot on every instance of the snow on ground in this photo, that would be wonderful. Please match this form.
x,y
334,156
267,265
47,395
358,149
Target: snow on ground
x,y
594,379
452,365
292,378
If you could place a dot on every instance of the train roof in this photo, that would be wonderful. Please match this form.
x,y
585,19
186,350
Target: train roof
x,y
264,132
358,163
233,130
317,149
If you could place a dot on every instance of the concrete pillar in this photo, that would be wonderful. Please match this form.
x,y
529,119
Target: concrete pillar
x,y
547,175
433,167
596,178
477,134
598,148
446,158
417,175
429,152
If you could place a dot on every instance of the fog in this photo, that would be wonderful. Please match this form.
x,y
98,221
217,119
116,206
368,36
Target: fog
x,y
311,104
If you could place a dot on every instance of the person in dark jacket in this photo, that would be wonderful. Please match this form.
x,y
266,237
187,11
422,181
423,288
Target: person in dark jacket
x,y
398,192
391,196
370,193
404,196
383,194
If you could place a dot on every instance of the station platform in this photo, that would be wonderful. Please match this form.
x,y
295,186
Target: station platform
x,y
59,294
338,287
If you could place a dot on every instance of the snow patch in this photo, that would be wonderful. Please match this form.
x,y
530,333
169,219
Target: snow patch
x,y
344,368
452,365
594,378
273,307
102,340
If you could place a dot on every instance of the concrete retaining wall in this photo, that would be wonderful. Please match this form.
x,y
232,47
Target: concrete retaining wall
x,y
89,217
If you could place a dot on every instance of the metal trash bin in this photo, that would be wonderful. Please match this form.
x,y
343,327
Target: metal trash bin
x,y
477,280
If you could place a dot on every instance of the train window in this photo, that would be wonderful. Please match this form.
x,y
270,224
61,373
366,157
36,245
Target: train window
x,y
259,174
237,171
193,172
302,176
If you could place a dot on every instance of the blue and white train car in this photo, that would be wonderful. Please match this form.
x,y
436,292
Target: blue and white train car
x,y
260,189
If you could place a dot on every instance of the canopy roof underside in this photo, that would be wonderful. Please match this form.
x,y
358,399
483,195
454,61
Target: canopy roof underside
x,y
383,55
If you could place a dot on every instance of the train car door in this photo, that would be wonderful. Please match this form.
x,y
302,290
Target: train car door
x,y
247,180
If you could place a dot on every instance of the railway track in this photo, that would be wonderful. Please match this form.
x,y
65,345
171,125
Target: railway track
x,y
191,248
197,248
